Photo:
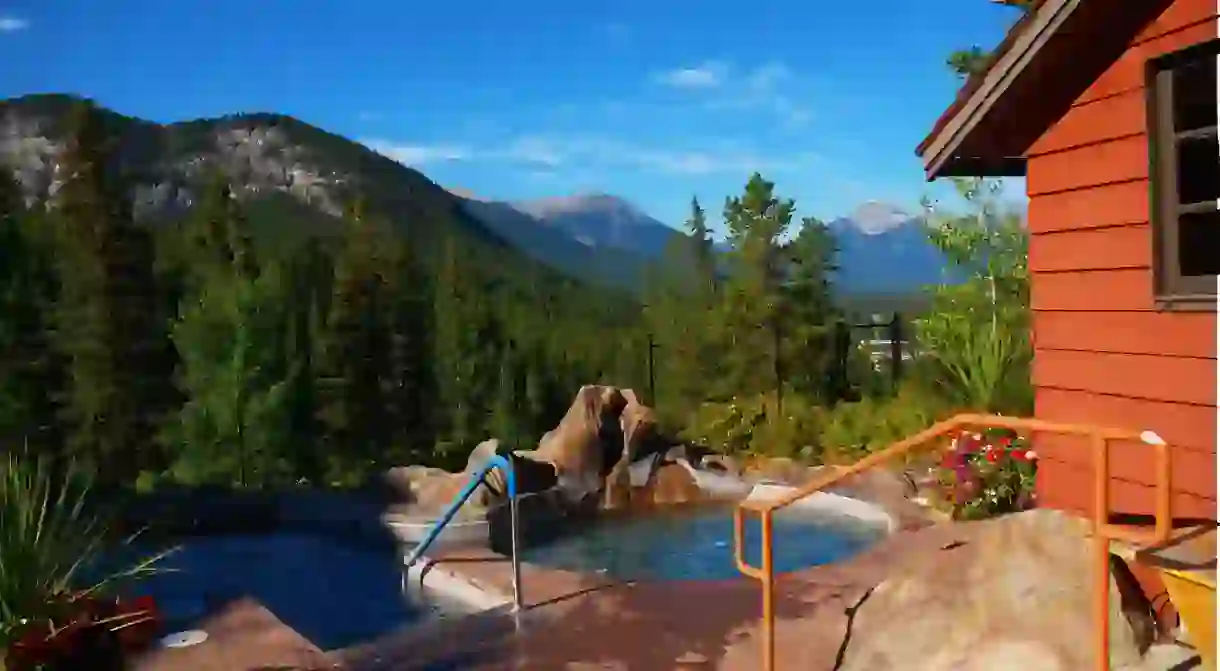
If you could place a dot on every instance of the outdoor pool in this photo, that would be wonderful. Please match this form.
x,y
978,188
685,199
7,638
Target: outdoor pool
x,y
697,544
334,593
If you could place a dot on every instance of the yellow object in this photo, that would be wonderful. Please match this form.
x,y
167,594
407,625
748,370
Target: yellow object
x,y
1194,596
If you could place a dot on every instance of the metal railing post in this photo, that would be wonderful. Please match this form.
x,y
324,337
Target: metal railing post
x,y
502,463
518,599
1102,534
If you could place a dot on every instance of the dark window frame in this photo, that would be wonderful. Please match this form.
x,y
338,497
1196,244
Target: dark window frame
x,y
1171,289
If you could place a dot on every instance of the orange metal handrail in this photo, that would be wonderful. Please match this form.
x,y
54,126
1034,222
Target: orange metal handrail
x,y
1103,531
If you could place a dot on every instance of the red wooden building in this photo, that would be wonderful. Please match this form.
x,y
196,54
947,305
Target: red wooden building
x,y
1109,109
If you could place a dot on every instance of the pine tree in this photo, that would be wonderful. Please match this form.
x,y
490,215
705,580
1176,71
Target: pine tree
x,y
31,373
808,310
109,320
238,378
310,276
356,353
757,222
703,251
409,383
467,350
220,233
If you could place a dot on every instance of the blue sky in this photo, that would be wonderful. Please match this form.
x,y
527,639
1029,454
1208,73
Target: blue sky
x,y
654,101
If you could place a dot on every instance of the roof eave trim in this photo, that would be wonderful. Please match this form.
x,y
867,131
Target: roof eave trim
x,y
1049,17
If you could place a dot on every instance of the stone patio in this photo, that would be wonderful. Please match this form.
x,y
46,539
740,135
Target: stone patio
x,y
583,622
242,636
574,622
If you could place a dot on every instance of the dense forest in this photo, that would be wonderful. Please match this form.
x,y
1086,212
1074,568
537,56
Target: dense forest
x,y
199,351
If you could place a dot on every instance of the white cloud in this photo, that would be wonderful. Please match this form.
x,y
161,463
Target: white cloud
x,y
550,155
417,155
12,24
709,75
759,88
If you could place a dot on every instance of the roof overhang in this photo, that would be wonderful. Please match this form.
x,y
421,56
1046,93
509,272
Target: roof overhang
x,y
1044,63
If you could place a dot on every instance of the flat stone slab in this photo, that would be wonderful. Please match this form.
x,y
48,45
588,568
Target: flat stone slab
x,y
576,621
242,636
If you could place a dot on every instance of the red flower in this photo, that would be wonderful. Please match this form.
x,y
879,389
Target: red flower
x,y
1019,455
993,455
969,443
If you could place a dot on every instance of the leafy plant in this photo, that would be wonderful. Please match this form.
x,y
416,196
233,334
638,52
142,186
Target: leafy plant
x,y
987,474
51,549
755,425
976,333
853,430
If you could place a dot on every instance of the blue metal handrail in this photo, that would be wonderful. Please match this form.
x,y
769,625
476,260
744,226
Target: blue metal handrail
x,y
496,461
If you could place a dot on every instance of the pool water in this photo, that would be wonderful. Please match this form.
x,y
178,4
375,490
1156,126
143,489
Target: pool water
x,y
333,593
697,544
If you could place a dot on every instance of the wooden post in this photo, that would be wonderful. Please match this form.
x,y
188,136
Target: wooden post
x,y
652,374
895,337
842,343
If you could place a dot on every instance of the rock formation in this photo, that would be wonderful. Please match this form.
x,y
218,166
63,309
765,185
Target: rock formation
x,y
638,424
606,452
1013,592
572,457
578,448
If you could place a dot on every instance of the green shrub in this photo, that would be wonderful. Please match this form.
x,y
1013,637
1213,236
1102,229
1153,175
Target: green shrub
x,y
853,430
754,426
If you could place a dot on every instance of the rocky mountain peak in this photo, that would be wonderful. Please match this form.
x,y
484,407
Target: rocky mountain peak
x,y
255,150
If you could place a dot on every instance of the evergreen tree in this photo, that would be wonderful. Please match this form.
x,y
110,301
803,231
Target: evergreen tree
x,y
409,383
310,276
238,378
808,310
109,320
31,373
356,353
757,222
467,350
702,248
220,232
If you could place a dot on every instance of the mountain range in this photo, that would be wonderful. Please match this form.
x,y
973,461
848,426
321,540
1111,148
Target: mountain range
x,y
304,175
883,249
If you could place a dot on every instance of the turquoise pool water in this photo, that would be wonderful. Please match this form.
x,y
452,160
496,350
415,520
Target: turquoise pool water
x,y
334,593
697,544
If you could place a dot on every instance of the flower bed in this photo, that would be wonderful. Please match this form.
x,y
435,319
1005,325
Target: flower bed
x,y
987,474
88,632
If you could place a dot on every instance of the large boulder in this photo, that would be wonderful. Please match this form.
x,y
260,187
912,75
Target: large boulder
x,y
641,439
578,447
1014,593
428,491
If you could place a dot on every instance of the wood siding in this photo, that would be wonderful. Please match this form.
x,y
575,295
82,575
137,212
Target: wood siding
x,y
1104,354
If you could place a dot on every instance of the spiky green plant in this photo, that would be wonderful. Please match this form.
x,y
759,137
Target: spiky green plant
x,y
53,544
